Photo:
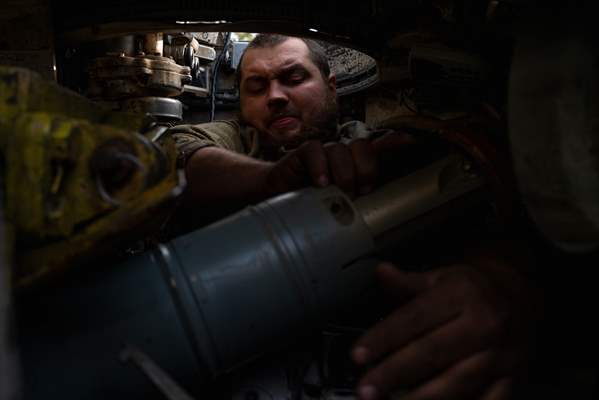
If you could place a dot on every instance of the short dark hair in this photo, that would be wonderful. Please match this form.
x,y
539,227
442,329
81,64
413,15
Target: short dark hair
x,y
264,40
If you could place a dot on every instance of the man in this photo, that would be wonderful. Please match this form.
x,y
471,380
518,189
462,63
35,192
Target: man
x,y
287,136
457,331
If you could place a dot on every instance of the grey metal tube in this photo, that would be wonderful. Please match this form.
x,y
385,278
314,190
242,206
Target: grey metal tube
x,y
208,301
416,194
272,269
199,305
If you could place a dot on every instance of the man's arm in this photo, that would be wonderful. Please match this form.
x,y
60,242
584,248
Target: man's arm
x,y
219,177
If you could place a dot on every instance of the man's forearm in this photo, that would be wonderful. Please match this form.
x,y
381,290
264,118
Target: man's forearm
x,y
219,177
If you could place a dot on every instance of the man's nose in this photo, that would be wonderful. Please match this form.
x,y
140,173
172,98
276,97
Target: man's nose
x,y
277,95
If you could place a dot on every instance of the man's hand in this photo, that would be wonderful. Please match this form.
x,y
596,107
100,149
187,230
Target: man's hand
x,y
221,181
352,167
461,333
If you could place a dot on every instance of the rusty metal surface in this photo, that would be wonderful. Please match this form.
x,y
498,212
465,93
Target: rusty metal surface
x,y
180,44
154,44
163,108
120,76
23,91
354,70
78,177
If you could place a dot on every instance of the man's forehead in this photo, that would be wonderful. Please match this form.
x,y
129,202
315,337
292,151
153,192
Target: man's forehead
x,y
267,60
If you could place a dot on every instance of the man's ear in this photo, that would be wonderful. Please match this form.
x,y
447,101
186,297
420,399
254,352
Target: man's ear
x,y
332,83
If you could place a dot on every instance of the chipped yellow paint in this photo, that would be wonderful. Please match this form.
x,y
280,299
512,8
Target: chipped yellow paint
x,y
48,136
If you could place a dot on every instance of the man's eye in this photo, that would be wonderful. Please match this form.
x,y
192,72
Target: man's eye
x,y
254,87
296,78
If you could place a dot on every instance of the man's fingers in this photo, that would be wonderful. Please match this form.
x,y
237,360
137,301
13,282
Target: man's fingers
x,y
353,168
341,166
466,379
400,286
366,165
426,356
402,326
313,158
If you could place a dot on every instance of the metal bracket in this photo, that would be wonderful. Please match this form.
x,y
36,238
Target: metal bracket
x,y
157,375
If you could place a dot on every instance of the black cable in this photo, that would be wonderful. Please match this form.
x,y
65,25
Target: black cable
x,y
217,64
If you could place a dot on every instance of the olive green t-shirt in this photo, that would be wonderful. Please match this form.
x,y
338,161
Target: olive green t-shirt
x,y
224,134
231,135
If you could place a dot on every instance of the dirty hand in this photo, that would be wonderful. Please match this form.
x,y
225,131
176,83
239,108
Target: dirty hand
x,y
352,167
460,333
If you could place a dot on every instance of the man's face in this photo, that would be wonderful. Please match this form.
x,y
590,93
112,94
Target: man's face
x,y
284,95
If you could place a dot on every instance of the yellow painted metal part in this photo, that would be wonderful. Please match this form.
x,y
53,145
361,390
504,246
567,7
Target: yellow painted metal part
x,y
23,91
92,240
59,149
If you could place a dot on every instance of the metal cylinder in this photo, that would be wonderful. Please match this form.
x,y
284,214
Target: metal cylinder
x,y
163,108
202,303
268,271
177,52
407,198
72,336
153,44
218,297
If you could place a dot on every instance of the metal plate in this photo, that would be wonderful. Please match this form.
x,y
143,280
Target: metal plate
x,y
355,70
160,107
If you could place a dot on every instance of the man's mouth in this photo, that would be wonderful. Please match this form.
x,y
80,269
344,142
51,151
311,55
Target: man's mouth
x,y
284,121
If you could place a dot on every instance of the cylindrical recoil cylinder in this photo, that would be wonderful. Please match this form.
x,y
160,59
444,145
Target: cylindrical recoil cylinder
x,y
202,303
220,296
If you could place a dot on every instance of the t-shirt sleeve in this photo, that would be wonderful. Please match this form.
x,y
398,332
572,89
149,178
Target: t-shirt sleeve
x,y
190,138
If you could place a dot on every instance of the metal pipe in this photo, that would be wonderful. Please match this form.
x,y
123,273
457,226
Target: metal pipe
x,y
202,304
154,44
416,194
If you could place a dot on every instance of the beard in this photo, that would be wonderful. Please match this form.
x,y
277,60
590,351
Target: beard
x,y
317,126
321,126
